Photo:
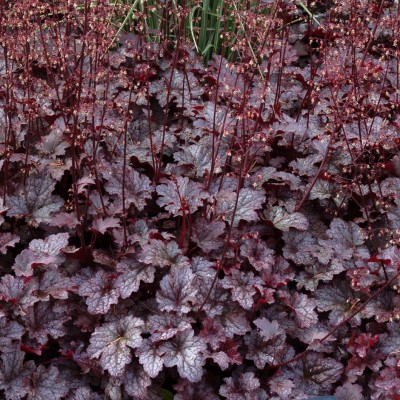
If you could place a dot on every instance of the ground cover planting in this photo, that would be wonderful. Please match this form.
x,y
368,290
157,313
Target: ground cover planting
x,y
199,200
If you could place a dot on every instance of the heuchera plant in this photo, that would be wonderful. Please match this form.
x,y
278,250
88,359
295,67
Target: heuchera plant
x,y
170,228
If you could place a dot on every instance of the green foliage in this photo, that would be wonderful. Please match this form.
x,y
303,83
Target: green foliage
x,y
212,26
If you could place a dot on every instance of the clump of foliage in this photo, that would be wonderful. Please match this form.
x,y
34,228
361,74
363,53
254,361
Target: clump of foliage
x,y
228,230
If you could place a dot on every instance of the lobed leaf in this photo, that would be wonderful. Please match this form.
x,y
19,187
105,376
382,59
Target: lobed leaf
x,y
112,342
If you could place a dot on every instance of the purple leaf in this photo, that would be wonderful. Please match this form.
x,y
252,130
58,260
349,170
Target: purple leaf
x,y
177,291
180,196
215,118
212,332
98,289
16,291
365,354
24,263
340,300
266,345
186,351
132,273
11,288
325,190
180,87
284,220
346,239
387,383
221,358
13,374
47,251
203,270
166,326
56,168
197,155
84,393
51,283
279,273
113,390
43,319
227,354
391,344
315,374
9,331
102,224
267,328
349,391
35,201
7,240
136,382
300,247
234,320
229,80
304,307
162,254
207,234
112,342
248,202
282,385
391,186
137,186
53,145
83,182
151,356
46,384
310,277
244,387
260,256
265,174
383,307
306,166
186,390
64,219
243,287
312,336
